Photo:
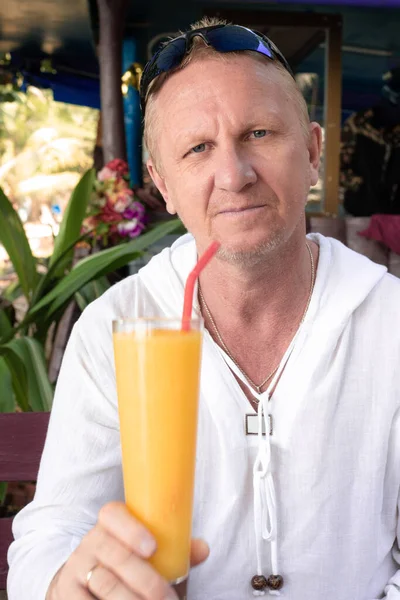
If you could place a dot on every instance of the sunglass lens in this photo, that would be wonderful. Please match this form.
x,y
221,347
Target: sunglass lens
x,y
171,56
231,38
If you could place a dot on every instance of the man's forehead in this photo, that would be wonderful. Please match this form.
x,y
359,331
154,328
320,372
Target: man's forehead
x,y
211,81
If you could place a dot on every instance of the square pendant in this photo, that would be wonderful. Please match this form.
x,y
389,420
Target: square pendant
x,y
251,425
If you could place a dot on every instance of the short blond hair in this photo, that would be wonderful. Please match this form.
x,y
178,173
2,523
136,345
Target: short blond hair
x,y
197,51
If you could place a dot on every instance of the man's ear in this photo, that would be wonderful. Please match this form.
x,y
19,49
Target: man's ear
x,y
159,182
314,150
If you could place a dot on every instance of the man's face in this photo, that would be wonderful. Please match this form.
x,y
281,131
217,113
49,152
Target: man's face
x,y
234,160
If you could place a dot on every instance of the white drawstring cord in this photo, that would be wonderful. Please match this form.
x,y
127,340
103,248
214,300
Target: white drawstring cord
x,y
265,517
265,509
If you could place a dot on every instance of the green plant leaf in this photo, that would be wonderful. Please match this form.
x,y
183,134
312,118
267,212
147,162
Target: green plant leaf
x,y
15,242
5,325
31,353
91,291
71,224
12,291
18,376
49,278
7,398
97,265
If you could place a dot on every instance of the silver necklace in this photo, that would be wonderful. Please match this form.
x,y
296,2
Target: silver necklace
x,y
259,387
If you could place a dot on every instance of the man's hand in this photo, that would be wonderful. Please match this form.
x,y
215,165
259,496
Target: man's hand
x,y
116,549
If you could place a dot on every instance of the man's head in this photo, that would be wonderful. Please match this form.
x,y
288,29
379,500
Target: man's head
x,y
231,147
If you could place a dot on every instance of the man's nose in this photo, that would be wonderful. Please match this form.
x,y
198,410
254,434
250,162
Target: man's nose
x,y
233,170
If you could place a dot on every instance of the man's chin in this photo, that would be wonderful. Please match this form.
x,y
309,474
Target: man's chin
x,y
248,256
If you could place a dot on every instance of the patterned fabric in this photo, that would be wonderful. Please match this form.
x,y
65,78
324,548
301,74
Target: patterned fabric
x,y
370,165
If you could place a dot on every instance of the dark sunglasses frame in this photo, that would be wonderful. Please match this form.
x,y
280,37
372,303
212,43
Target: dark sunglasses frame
x,y
223,38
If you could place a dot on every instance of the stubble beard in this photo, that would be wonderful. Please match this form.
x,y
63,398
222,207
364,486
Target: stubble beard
x,y
253,257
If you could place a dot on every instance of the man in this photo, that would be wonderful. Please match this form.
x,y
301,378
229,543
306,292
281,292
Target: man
x,y
304,320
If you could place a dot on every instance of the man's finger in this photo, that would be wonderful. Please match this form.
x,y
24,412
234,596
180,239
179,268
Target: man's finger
x,y
199,552
116,519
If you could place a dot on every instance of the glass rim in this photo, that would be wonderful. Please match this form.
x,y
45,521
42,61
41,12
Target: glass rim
x,y
151,323
132,320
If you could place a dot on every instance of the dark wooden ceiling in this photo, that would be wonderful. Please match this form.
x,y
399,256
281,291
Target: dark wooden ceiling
x,y
65,30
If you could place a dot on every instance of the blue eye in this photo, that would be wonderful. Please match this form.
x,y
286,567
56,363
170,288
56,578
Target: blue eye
x,y
260,133
199,148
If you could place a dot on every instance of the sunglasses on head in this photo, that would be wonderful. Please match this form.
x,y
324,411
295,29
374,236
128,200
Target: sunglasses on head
x,y
223,38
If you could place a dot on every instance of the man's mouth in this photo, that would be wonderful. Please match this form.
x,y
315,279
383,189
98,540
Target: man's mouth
x,y
240,209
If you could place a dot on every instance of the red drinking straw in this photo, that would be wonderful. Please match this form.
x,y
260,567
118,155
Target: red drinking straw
x,y
191,280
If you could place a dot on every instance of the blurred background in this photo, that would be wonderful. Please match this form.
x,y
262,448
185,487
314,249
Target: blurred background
x,y
50,98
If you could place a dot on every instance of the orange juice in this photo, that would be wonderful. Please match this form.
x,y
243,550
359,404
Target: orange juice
x,y
157,372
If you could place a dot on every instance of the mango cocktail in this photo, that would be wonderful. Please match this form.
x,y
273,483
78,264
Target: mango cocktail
x,y
157,370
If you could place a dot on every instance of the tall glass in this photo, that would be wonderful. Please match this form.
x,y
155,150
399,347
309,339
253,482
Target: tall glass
x,y
158,371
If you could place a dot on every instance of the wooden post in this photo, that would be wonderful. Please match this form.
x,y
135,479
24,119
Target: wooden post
x,y
111,27
332,116
98,159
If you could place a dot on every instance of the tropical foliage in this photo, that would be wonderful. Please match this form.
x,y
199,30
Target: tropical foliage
x,y
47,288
45,147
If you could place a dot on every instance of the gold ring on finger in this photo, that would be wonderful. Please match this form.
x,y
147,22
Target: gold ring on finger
x,y
90,575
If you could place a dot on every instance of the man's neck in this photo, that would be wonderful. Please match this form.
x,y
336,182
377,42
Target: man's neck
x,y
271,291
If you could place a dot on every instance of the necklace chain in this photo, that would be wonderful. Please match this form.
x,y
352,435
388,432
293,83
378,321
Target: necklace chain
x,y
259,387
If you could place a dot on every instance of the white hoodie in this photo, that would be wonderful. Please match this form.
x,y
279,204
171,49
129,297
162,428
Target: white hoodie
x,y
335,447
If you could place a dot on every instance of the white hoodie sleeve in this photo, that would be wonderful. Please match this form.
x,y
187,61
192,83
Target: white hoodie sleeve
x,y
392,590
80,469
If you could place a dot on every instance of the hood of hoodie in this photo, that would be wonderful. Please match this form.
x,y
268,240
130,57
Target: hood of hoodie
x,y
344,279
